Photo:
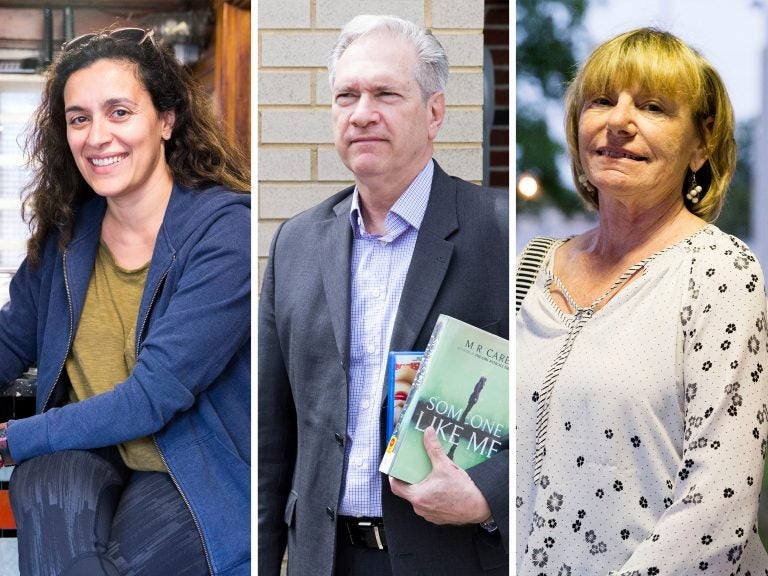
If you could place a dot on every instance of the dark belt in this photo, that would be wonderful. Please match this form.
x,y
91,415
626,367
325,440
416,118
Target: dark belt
x,y
363,532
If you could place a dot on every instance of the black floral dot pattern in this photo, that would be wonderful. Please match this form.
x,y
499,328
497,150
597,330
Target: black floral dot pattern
x,y
657,423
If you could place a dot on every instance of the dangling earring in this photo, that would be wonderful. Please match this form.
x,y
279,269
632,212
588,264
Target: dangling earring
x,y
695,190
584,181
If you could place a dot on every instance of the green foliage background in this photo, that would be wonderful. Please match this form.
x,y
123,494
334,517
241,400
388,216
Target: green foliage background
x,y
546,43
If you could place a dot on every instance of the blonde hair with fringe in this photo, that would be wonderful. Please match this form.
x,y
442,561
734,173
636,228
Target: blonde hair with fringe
x,y
658,62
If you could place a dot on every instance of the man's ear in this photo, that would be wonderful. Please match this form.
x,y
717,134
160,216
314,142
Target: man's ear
x,y
436,111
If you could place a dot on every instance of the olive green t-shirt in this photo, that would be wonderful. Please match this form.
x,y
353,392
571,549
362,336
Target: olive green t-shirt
x,y
103,353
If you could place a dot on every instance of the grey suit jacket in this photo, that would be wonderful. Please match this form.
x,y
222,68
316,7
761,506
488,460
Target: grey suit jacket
x,y
460,267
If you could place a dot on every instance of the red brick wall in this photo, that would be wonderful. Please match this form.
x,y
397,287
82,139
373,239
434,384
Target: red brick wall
x,y
496,32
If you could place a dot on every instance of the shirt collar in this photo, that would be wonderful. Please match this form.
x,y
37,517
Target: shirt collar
x,y
410,207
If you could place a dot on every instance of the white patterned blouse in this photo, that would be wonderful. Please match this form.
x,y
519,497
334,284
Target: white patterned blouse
x,y
642,426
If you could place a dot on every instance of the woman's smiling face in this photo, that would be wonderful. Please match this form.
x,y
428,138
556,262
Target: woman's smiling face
x,y
631,142
114,131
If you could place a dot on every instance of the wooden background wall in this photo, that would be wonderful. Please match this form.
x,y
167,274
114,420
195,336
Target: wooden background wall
x,y
224,66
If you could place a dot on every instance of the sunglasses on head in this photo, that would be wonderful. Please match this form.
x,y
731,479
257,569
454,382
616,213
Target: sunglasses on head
x,y
138,35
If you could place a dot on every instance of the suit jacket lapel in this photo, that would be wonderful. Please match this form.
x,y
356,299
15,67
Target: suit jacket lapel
x,y
335,253
429,264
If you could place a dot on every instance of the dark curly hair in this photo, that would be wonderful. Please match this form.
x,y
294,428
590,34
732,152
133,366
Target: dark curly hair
x,y
197,153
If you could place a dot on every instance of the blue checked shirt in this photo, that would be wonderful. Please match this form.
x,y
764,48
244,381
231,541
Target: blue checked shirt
x,y
378,268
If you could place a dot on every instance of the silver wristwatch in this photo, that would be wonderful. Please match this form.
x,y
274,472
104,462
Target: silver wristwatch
x,y
489,525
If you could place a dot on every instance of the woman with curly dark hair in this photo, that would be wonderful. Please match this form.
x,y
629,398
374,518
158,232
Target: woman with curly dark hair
x,y
134,304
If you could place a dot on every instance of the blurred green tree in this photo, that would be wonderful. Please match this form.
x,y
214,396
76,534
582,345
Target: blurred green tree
x,y
546,34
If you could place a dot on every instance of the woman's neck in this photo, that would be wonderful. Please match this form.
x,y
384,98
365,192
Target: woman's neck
x,y
627,232
130,226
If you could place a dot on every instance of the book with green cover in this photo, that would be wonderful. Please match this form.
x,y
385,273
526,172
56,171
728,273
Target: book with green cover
x,y
461,390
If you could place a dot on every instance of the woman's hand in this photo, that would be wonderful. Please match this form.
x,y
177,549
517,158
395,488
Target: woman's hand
x,y
5,453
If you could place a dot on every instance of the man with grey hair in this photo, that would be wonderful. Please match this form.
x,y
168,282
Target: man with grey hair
x,y
364,272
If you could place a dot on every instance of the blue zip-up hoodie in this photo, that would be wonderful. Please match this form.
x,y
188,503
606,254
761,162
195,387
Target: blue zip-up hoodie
x,y
191,384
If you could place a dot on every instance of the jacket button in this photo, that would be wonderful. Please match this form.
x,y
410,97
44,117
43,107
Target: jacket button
x,y
331,513
339,439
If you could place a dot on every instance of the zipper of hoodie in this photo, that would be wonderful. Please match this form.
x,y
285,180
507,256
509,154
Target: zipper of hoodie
x,y
71,331
160,282
154,438
187,504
